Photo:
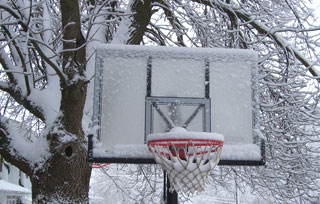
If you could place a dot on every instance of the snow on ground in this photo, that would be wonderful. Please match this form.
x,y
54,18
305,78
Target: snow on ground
x,y
126,184
222,196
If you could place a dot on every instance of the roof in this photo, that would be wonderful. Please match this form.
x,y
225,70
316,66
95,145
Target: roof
x,y
10,188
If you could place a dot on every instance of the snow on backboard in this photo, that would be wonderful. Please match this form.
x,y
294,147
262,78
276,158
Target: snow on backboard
x,y
221,83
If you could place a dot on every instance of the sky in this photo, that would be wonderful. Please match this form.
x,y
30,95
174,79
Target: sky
x,y
316,6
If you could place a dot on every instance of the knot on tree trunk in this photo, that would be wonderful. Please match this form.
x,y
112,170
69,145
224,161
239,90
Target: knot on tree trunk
x,y
69,150
62,181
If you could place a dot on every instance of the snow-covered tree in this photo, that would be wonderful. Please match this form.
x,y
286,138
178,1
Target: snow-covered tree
x,y
47,47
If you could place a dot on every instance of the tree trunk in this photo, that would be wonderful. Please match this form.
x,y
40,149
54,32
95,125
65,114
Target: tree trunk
x,y
66,178
141,19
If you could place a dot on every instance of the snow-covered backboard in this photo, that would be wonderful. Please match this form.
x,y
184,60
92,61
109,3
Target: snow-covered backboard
x,y
144,89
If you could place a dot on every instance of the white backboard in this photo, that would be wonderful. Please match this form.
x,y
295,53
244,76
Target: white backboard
x,y
126,76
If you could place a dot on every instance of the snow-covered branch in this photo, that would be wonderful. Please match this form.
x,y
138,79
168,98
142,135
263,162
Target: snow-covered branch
x,y
175,23
8,151
296,30
10,10
22,100
16,72
133,27
262,28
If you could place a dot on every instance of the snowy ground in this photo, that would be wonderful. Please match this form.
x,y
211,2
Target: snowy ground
x,y
121,185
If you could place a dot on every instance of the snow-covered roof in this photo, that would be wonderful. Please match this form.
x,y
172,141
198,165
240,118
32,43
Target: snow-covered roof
x,y
10,188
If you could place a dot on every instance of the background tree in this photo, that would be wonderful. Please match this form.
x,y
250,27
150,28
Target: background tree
x,y
46,57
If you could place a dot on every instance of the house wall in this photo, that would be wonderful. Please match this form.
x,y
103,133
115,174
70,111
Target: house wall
x,y
3,199
13,175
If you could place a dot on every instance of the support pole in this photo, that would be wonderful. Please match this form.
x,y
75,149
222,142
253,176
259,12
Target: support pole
x,y
237,192
168,197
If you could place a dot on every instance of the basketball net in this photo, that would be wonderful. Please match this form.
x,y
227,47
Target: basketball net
x,y
187,157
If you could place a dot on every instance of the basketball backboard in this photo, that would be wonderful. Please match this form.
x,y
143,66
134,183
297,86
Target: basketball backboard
x,y
141,90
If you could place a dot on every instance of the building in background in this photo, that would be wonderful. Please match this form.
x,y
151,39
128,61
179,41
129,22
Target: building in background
x,y
15,186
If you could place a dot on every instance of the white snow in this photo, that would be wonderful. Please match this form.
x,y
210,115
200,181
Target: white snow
x,y
116,185
181,133
178,130
48,99
6,187
218,54
35,152
125,28
122,151
249,152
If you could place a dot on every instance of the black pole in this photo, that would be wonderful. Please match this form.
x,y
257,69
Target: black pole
x,y
207,79
172,197
169,197
149,76
164,186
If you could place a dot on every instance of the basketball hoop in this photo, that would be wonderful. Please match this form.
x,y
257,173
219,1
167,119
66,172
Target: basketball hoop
x,y
187,157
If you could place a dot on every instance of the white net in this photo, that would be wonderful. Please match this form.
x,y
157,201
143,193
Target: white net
x,y
186,161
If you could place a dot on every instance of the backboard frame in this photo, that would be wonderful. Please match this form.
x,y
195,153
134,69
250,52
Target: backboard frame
x,y
152,52
203,103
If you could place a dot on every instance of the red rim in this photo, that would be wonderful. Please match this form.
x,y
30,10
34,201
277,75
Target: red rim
x,y
185,142
97,166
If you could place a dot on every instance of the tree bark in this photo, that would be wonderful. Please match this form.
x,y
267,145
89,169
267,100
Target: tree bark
x,y
66,178
141,19
67,172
